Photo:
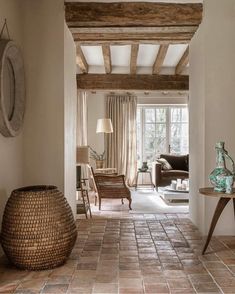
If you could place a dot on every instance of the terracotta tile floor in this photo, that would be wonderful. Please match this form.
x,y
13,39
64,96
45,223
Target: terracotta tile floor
x,y
118,252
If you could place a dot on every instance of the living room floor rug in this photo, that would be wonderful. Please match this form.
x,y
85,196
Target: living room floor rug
x,y
149,201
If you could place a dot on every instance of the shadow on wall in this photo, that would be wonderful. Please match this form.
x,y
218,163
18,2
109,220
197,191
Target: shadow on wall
x,y
3,201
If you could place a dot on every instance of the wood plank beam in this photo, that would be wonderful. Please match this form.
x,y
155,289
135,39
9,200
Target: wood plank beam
x,y
129,14
130,42
160,59
183,62
132,82
81,60
156,38
134,55
107,58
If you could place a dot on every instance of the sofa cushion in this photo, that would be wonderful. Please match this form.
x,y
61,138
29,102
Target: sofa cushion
x,y
165,164
174,174
178,162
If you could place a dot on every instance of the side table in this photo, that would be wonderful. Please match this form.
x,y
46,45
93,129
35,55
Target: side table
x,y
150,177
223,200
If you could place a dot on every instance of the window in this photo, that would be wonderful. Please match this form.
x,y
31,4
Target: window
x,y
161,129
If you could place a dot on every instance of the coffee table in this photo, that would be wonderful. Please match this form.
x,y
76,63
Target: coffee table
x,y
169,194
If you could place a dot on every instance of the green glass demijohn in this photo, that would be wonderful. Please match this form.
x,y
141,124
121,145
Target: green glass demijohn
x,y
219,174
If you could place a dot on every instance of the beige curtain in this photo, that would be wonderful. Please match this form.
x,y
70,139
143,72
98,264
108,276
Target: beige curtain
x,y
82,124
81,119
121,144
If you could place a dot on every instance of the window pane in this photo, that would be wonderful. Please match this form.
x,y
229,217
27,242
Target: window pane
x,y
175,130
160,145
149,145
160,130
161,114
176,114
149,115
185,114
184,132
138,115
175,145
150,129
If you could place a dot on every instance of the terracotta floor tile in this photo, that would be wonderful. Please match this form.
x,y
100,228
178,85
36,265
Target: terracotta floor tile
x,y
156,288
199,279
8,287
207,288
105,288
130,282
131,291
179,283
133,253
36,284
58,289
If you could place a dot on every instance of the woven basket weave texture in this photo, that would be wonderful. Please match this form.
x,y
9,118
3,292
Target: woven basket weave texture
x,y
38,228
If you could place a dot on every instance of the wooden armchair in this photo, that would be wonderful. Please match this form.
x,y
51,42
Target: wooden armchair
x,y
111,186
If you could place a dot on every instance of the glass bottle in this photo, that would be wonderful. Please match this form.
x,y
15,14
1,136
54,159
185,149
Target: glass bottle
x,y
219,174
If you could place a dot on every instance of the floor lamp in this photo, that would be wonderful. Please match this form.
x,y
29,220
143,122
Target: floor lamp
x,y
82,158
104,125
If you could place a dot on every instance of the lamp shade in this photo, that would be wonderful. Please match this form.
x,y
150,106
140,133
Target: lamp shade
x,y
104,125
83,155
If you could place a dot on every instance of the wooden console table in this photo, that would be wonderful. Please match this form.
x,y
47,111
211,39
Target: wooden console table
x,y
223,200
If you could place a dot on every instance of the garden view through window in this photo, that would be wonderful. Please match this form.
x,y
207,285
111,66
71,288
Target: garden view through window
x,y
161,129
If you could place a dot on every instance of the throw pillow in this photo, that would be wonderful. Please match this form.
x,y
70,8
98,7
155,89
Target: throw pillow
x,y
165,164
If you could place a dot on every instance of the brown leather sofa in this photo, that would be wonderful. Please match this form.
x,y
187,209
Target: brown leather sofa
x,y
180,170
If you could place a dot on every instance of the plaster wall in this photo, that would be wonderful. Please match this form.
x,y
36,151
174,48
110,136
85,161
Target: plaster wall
x,y
11,149
44,119
70,117
212,106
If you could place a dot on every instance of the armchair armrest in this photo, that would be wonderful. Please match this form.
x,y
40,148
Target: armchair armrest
x,y
156,173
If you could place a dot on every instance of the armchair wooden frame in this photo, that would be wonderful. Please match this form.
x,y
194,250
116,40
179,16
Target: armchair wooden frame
x,y
111,186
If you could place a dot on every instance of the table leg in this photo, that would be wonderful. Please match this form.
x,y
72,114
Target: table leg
x,y
137,181
219,208
234,206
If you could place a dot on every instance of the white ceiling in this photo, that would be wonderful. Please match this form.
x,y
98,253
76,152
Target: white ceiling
x,y
120,57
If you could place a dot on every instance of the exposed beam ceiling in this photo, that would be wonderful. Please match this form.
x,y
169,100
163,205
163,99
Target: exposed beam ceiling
x,y
160,59
132,22
183,62
107,58
132,82
129,14
81,60
134,55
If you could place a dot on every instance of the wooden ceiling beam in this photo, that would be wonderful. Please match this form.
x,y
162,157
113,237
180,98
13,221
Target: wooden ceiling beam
x,y
177,37
107,58
129,14
133,60
132,82
136,22
160,58
183,62
81,60
129,42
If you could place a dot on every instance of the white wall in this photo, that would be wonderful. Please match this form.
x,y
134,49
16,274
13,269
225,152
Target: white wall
x,y
70,117
212,105
96,110
11,149
44,120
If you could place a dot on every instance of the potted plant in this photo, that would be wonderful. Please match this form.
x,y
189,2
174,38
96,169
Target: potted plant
x,y
99,158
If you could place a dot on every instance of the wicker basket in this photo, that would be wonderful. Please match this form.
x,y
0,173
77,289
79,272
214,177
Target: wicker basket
x,y
38,228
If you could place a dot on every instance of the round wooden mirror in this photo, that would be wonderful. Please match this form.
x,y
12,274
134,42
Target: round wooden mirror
x,y
12,89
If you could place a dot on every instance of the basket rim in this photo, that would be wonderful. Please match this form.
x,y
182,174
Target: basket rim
x,y
36,188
